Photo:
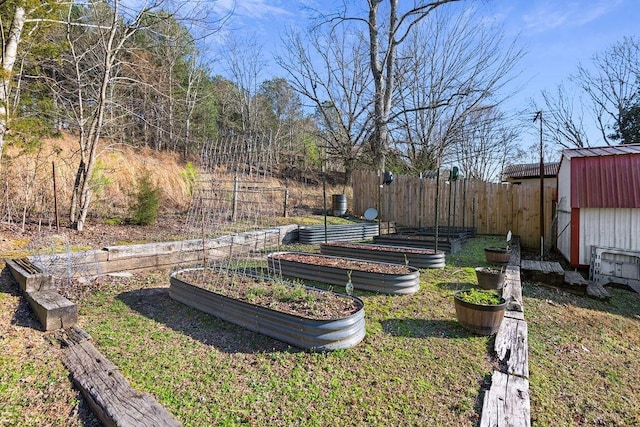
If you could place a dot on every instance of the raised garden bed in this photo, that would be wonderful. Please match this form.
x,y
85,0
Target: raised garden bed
x,y
416,257
443,231
424,242
371,276
316,233
340,326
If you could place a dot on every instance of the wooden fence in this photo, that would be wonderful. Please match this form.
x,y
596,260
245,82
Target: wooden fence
x,y
491,208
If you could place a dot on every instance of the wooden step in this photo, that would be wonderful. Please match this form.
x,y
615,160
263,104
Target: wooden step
x,y
546,272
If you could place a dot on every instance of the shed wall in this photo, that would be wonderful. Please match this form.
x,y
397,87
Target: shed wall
x,y
564,208
608,227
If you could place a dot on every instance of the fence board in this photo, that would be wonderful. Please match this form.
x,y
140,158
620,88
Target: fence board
x,y
494,208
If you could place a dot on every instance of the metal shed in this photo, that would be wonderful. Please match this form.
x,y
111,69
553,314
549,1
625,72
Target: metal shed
x,y
599,203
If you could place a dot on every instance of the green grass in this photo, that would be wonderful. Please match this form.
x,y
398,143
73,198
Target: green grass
x,y
416,366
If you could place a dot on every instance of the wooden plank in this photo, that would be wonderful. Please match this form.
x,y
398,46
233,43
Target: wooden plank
x,y
537,271
108,392
30,277
52,309
512,291
507,402
512,347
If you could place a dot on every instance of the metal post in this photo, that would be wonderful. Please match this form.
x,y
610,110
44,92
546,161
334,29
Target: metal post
x,y
286,196
379,184
324,201
420,206
55,197
539,116
234,207
437,206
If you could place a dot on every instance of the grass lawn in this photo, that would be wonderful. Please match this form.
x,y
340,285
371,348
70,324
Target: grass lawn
x,y
416,366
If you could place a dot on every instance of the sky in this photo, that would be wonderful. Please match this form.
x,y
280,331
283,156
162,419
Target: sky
x,y
556,35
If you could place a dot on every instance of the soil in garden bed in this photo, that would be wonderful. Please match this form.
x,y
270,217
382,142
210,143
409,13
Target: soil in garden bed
x,y
343,263
285,297
382,248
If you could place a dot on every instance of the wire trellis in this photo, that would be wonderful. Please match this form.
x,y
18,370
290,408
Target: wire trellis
x,y
233,206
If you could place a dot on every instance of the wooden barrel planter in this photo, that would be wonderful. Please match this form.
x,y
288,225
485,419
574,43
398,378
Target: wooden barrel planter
x,y
497,255
373,276
479,318
302,332
416,257
490,278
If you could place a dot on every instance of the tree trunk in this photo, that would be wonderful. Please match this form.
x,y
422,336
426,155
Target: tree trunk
x,y
10,53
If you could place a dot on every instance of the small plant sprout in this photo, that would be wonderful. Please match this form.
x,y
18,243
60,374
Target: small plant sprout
x,y
349,286
406,260
508,239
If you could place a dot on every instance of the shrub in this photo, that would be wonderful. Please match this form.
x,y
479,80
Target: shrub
x,y
147,201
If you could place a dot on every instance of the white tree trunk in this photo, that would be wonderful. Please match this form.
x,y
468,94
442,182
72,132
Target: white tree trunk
x,y
10,51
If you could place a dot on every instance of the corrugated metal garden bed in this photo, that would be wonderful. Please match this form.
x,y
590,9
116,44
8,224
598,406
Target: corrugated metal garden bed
x,y
416,257
371,276
451,246
316,233
299,331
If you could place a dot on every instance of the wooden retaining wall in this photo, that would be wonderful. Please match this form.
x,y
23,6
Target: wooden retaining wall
x,y
507,401
490,207
162,255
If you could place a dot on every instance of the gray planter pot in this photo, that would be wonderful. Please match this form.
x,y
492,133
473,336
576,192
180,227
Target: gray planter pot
x,y
298,331
370,280
416,257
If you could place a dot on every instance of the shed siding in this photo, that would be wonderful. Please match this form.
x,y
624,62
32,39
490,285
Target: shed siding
x,y
564,208
616,228
605,182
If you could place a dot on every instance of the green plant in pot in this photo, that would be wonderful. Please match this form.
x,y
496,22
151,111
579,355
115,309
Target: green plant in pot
x,y
479,311
499,254
490,277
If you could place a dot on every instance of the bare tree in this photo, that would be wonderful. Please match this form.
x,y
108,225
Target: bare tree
x,y
98,35
486,142
450,70
388,27
332,73
612,84
245,63
563,123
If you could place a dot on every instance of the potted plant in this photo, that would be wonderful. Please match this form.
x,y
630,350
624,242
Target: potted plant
x,y
479,311
499,254
490,277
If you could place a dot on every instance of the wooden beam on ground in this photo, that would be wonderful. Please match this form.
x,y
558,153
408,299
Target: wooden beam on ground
x,y
512,292
511,345
30,277
52,309
108,393
506,403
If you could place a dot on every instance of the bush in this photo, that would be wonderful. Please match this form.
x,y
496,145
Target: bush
x,y
147,201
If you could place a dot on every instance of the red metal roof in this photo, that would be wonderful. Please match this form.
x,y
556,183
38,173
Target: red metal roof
x,y
605,177
602,151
